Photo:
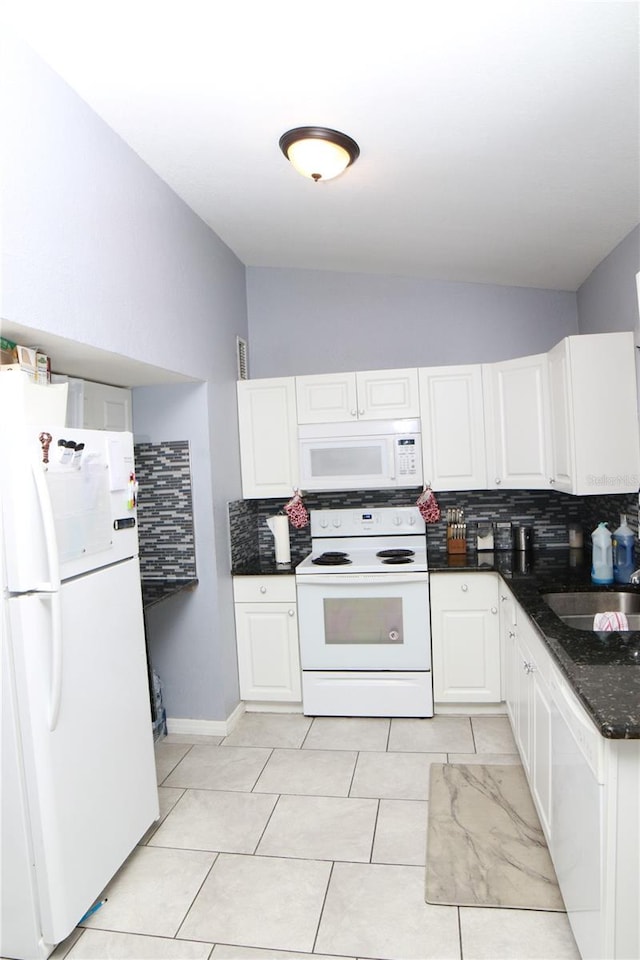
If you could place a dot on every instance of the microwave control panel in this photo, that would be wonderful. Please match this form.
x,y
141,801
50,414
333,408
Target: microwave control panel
x,y
406,456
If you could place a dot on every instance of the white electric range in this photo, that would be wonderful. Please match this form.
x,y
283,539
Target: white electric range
x,y
363,613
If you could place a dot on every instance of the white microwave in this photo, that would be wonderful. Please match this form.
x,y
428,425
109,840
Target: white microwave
x,y
361,455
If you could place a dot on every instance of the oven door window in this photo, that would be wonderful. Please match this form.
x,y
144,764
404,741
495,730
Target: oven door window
x,y
374,624
368,620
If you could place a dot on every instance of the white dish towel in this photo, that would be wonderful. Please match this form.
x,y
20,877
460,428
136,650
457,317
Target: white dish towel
x,y
610,621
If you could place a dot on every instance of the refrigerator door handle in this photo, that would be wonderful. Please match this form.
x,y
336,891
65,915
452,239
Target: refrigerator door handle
x,y
49,530
55,687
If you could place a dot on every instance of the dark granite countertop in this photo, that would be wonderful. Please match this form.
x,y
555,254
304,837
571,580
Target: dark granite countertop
x,y
154,591
603,669
260,567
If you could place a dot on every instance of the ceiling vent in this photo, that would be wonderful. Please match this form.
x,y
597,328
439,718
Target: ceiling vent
x,y
242,358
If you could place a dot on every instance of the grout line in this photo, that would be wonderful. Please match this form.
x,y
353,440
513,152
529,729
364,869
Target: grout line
x,y
324,901
375,828
194,898
386,746
262,769
264,829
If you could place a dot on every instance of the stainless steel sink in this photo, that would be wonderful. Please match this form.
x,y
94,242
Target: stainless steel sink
x,y
577,610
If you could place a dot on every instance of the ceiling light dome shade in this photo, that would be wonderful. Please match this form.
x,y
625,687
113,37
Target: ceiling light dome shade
x,y
319,152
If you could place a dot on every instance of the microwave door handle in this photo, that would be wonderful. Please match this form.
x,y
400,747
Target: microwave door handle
x,y
392,458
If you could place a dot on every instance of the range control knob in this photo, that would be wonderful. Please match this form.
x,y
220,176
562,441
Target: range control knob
x,y
336,522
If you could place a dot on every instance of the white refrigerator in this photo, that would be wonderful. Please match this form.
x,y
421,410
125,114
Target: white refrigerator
x,y
78,786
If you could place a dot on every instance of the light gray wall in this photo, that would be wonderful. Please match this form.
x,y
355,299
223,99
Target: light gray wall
x,y
608,299
190,638
305,321
96,248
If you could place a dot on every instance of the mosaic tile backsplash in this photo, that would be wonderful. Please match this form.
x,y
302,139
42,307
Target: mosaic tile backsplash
x,y
165,510
548,512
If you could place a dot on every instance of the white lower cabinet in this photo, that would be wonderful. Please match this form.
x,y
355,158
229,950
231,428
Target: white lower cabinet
x,y
586,790
527,666
267,639
465,632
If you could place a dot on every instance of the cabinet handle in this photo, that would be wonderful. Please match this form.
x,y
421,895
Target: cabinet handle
x,y
361,413
494,609
353,413
552,479
512,634
464,587
498,481
503,598
292,613
263,589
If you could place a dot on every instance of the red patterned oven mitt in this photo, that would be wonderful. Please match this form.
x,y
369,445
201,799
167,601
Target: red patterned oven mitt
x,y
296,511
428,506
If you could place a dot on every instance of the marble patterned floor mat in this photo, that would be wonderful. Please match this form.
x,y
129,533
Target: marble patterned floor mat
x,y
485,845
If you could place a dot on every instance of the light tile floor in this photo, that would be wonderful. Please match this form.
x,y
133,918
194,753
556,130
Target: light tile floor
x,y
295,838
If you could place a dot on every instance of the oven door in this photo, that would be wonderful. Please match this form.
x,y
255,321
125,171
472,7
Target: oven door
x,y
364,621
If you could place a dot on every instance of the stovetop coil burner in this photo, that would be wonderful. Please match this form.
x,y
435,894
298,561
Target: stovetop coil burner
x,y
397,552
397,560
331,558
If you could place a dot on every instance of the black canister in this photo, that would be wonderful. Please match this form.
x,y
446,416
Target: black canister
x,y
522,538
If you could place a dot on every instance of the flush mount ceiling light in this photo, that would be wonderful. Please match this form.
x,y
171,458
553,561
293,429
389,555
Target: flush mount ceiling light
x,y
319,152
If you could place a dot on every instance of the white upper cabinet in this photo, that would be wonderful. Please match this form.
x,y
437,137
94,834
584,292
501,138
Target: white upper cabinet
x,y
268,437
106,407
452,416
366,395
518,423
595,420
326,398
96,406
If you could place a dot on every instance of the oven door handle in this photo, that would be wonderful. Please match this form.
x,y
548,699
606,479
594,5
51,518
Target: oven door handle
x,y
345,579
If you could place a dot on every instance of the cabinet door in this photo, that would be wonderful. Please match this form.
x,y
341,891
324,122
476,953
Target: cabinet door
x,y
268,437
522,703
326,398
605,414
452,414
508,633
541,749
562,417
518,424
268,657
106,407
387,394
465,637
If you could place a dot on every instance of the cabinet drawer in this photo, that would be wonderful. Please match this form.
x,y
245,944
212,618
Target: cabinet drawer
x,y
464,591
279,589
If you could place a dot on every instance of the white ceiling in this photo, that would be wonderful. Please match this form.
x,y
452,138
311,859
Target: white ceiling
x,y
499,140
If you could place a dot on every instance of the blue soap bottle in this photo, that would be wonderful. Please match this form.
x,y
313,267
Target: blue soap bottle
x,y
623,547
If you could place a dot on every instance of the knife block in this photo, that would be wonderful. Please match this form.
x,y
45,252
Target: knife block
x,y
456,545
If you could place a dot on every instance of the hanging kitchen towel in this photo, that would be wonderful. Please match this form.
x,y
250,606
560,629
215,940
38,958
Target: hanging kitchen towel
x,y
296,511
428,505
610,621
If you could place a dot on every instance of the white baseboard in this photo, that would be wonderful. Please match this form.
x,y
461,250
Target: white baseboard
x,y
205,728
470,709
265,706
